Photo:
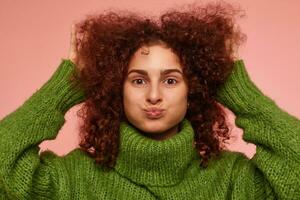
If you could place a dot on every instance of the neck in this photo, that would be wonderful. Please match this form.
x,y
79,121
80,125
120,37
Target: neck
x,y
150,162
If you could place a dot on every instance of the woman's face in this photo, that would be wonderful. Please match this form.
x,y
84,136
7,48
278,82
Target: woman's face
x,y
155,92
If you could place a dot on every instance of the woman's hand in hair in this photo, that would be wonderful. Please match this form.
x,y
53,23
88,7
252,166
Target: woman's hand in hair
x,y
74,45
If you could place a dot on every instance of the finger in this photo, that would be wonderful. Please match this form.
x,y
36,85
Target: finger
x,y
72,50
71,40
73,36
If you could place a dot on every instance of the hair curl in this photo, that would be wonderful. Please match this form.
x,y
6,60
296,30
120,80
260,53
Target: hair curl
x,y
205,38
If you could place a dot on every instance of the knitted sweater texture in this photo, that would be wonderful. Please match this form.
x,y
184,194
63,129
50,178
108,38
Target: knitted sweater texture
x,y
146,168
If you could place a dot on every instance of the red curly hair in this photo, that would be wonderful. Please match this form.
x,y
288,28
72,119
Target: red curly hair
x,y
204,37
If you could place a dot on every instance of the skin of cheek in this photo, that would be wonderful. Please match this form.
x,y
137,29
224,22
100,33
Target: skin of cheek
x,y
174,100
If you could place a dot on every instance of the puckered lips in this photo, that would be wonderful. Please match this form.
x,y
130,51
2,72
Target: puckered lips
x,y
154,113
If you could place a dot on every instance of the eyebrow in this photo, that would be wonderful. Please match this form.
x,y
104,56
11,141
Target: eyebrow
x,y
162,72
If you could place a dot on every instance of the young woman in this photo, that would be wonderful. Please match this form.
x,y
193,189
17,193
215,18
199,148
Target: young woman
x,y
153,128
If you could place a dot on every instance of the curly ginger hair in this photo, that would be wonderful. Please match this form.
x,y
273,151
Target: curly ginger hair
x,y
204,37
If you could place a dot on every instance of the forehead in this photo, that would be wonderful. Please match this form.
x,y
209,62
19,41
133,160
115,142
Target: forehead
x,y
154,57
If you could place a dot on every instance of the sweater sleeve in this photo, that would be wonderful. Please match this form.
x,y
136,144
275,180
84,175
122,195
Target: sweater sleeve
x,y
276,134
23,172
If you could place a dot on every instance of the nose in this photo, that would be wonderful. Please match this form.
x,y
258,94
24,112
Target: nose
x,y
154,95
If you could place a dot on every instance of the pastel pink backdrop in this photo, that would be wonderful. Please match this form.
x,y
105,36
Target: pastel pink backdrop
x,y
35,36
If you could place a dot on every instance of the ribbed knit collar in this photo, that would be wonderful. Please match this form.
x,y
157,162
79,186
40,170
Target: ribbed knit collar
x,y
151,162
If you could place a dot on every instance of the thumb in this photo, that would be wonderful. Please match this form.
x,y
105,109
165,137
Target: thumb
x,y
73,44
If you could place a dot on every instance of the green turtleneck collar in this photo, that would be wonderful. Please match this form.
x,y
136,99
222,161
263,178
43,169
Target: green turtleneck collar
x,y
155,163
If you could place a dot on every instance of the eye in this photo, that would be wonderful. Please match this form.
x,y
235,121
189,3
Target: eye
x,y
172,80
137,81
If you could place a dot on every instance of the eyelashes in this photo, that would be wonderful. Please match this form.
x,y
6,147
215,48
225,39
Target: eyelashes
x,y
174,81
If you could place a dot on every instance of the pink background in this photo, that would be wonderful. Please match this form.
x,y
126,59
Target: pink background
x,y
35,36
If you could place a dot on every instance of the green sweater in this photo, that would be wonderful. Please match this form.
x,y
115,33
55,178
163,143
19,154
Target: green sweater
x,y
146,168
